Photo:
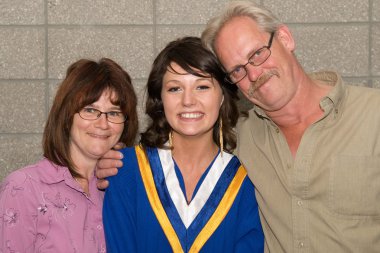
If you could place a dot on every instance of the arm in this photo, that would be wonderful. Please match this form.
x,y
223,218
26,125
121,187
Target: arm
x,y
17,229
250,237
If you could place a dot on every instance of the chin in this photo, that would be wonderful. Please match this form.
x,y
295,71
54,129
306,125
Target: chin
x,y
99,152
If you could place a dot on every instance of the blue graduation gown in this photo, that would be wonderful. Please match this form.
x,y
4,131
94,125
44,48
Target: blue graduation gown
x,y
145,209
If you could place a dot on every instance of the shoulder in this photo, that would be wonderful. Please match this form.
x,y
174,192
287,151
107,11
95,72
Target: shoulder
x,y
21,187
129,169
252,120
31,173
362,93
359,99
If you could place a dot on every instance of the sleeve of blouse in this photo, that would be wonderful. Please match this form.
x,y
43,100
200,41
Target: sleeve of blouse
x,y
17,232
250,236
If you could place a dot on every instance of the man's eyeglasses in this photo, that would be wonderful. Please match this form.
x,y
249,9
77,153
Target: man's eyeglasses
x,y
256,59
89,113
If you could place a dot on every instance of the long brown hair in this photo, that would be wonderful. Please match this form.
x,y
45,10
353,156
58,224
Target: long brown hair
x,y
85,82
188,53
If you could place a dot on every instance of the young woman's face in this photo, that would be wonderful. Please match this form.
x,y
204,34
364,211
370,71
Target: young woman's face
x,y
191,103
91,139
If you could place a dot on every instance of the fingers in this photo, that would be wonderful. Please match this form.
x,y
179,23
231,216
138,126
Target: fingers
x,y
113,154
102,173
102,184
119,146
107,166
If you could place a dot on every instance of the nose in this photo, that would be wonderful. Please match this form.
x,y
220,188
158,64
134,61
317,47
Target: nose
x,y
188,98
253,72
102,121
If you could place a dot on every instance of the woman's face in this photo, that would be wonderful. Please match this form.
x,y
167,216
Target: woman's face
x,y
191,103
91,139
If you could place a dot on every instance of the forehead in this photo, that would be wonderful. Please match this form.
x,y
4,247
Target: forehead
x,y
176,70
237,40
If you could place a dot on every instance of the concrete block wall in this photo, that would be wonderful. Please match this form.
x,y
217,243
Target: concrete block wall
x,y
39,39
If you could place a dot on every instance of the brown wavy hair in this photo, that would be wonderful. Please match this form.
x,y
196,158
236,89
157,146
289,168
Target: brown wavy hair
x,y
188,53
85,82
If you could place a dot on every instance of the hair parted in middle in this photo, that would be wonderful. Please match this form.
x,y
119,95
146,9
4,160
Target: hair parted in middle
x,y
195,59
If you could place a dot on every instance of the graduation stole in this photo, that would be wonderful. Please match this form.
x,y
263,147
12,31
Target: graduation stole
x,y
232,188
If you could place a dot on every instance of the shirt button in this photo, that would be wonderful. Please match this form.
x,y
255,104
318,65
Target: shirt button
x,y
299,203
277,130
300,245
99,227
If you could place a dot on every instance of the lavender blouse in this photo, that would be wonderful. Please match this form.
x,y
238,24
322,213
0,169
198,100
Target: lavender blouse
x,y
43,209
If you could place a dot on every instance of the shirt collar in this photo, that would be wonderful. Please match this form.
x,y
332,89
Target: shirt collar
x,y
331,101
53,173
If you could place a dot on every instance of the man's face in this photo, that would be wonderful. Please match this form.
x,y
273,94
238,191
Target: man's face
x,y
270,84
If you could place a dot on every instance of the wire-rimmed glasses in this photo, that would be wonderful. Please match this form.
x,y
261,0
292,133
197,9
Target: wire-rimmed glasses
x,y
89,113
256,59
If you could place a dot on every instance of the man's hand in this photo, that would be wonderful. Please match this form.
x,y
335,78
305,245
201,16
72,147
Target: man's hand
x,y
108,166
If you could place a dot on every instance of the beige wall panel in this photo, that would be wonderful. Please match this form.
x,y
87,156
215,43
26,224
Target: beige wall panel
x,y
18,151
343,48
22,107
132,48
20,12
100,12
22,52
311,11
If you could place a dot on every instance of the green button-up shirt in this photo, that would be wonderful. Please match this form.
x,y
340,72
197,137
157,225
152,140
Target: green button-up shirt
x,y
326,199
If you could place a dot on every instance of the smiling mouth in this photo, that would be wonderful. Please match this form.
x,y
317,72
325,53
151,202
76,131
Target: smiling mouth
x,y
191,115
98,136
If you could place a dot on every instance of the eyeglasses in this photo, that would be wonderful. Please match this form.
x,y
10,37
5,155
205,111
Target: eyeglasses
x,y
89,113
256,59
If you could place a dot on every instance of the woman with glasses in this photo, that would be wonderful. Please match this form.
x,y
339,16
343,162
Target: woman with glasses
x,y
181,189
54,205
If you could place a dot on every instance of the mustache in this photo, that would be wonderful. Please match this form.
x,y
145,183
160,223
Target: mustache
x,y
263,78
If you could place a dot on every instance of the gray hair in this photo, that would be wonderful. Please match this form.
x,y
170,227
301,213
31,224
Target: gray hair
x,y
265,19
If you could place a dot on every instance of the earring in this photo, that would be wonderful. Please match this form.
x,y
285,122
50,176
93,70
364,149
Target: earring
x,y
221,136
171,140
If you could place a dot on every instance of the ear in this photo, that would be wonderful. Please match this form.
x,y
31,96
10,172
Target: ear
x,y
286,38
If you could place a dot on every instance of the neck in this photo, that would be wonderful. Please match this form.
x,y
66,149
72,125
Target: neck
x,y
194,150
85,167
302,111
304,107
193,156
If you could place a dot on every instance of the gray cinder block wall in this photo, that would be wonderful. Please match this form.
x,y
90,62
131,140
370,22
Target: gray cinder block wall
x,y
40,38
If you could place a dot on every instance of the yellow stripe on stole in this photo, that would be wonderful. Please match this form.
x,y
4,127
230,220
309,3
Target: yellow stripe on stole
x,y
220,212
155,202
210,227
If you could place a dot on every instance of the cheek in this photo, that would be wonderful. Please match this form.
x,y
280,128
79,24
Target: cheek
x,y
79,124
244,86
119,130
214,108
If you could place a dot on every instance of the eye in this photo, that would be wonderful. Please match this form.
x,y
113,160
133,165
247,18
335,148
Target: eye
x,y
89,110
174,89
203,87
237,71
114,114
258,53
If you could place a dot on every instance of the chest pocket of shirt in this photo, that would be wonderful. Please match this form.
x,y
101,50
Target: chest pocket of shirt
x,y
354,186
